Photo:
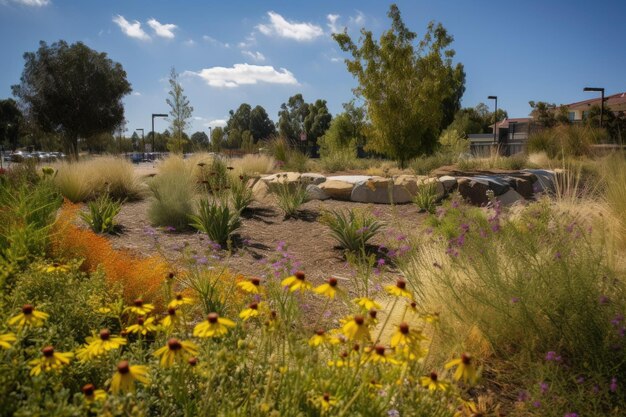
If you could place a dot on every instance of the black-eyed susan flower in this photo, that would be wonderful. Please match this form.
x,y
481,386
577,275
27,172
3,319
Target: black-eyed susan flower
x,y
140,308
342,361
213,326
192,361
433,383
29,317
465,369
318,338
125,376
406,336
173,318
143,326
367,303
99,345
180,300
49,361
251,311
399,289
6,340
355,328
328,289
251,286
176,351
92,394
379,354
325,401
296,282
55,267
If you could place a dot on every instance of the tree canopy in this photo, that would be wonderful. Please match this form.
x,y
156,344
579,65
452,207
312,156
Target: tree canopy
x,y
409,90
297,117
253,120
477,119
72,90
10,123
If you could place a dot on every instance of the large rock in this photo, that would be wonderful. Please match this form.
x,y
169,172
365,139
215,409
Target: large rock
x,y
495,183
313,178
523,185
449,183
351,179
374,190
289,177
316,193
546,180
510,197
337,189
261,193
473,191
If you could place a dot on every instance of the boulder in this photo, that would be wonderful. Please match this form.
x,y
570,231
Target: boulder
x,y
449,183
352,179
546,180
473,191
282,177
337,189
510,197
313,178
495,183
261,193
316,193
374,190
523,185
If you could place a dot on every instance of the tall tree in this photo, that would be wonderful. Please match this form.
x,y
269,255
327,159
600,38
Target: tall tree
x,y
72,90
240,119
298,119
180,113
217,139
200,140
405,88
11,121
261,126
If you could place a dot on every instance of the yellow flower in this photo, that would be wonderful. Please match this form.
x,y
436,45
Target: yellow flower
x,y
329,289
405,336
139,308
6,340
399,290
176,351
100,345
318,338
251,311
179,301
378,354
143,326
367,303
296,282
325,402
124,378
356,329
250,285
465,369
172,319
49,361
433,383
55,267
213,326
92,394
28,317
104,310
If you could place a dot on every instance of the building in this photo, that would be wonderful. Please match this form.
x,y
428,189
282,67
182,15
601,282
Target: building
x,y
577,111
511,137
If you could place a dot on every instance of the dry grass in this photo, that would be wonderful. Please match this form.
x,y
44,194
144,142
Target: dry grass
x,y
252,165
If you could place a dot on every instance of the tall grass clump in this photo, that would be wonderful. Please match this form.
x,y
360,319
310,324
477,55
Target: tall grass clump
x,y
101,214
216,219
173,193
240,193
289,195
424,165
340,159
252,165
566,140
614,181
352,229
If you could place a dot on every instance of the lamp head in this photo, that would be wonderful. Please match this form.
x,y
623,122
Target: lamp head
x,y
492,97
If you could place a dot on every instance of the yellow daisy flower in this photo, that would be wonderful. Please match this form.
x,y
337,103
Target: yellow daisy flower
x,y
329,289
176,351
251,285
55,267
296,282
179,300
49,361
356,329
399,290
325,402
405,336
139,308
318,338
29,317
251,311
6,340
367,303
213,326
465,369
143,326
433,383
124,378
92,394
100,345
172,319
378,354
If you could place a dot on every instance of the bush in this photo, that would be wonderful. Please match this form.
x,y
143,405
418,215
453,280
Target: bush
x,y
566,140
426,197
217,220
352,230
614,179
173,190
340,160
240,193
101,215
289,196
424,165
252,165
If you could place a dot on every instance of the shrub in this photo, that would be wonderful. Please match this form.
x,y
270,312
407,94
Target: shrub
x,y
101,214
240,193
426,197
217,220
614,179
453,142
173,192
73,181
289,196
566,140
424,165
252,165
352,230
339,160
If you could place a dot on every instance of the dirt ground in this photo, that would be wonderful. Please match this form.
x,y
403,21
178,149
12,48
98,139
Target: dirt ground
x,y
262,230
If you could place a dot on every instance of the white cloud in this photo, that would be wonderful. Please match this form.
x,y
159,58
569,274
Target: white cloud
x,y
249,41
283,28
216,123
257,56
164,30
29,3
357,20
136,93
133,30
214,41
332,23
190,42
244,74
335,59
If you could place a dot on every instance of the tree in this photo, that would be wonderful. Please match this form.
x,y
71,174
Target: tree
x,y
217,139
261,126
72,90
405,88
135,141
240,119
180,113
11,121
297,118
200,140
478,119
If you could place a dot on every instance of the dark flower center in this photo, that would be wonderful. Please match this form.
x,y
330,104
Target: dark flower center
x,y
356,347
380,350
138,302
319,332
170,275
373,313
105,334
179,297
466,359
359,320
401,284
174,344
140,321
434,376
299,275
27,309
326,397
404,328
212,318
123,367
255,281
332,282
88,390
192,361
48,351
253,306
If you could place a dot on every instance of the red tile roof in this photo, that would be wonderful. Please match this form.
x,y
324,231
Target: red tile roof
x,y
615,102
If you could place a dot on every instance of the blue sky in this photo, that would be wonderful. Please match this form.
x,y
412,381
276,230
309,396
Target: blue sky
x,y
263,52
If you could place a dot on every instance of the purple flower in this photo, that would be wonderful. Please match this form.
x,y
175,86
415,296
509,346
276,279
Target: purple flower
x,y
617,320
362,230
613,385
544,387
393,413
495,227
571,415
202,260
580,380
380,262
455,204
483,233
523,396
149,231
603,300
401,238
557,255
552,356
537,404
170,229
514,300
465,227
460,241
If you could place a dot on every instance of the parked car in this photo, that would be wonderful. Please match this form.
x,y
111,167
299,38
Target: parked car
x,y
20,156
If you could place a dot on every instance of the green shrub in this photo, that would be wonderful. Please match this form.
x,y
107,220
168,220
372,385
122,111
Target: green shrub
x,y
289,196
101,214
240,193
352,230
424,165
566,140
426,197
340,160
173,196
215,219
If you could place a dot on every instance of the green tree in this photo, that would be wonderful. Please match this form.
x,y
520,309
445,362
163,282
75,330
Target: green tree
x,y
72,90
200,140
405,88
543,113
297,118
233,139
217,139
180,113
239,119
11,121
135,139
261,126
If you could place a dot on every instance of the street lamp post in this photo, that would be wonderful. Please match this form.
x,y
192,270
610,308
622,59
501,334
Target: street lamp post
x,y
495,118
143,141
602,103
153,116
